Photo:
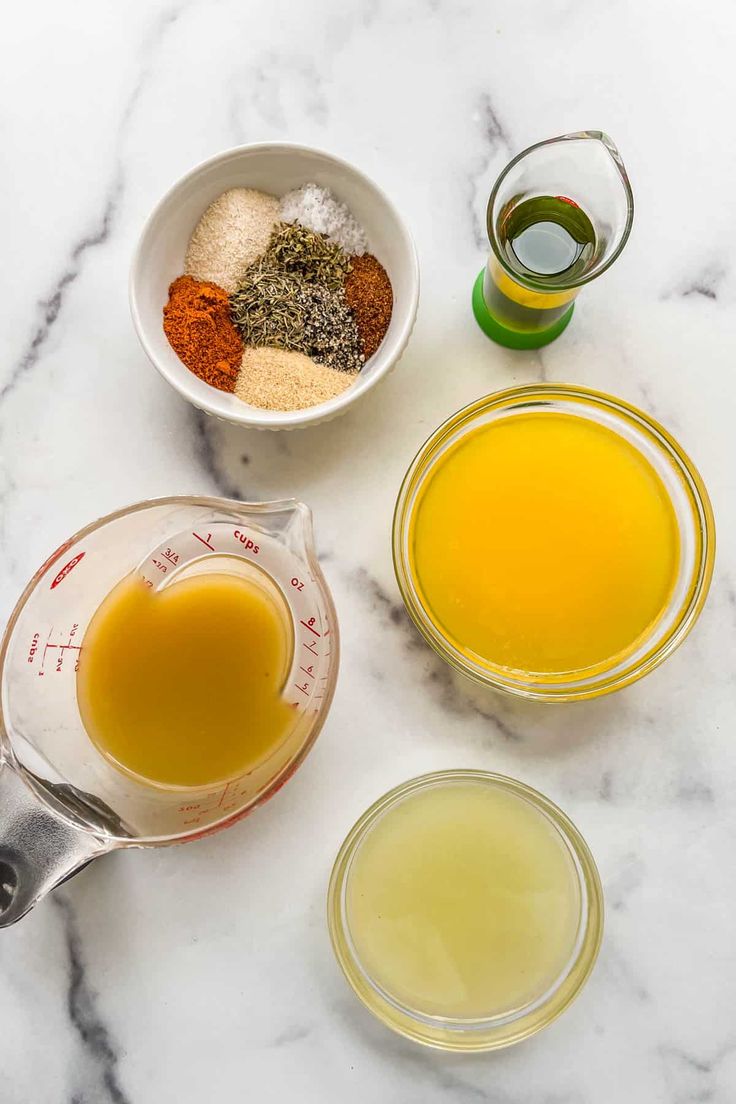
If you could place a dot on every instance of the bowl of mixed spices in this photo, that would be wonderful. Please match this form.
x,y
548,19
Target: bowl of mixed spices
x,y
273,285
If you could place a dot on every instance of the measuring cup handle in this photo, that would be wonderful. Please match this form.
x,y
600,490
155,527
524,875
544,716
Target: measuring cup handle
x,y
37,848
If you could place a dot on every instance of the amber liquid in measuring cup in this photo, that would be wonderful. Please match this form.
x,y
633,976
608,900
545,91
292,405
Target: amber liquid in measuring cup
x,y
182,686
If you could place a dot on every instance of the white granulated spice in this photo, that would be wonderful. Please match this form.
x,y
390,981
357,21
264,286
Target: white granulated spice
x,y
233,232
278,379
319,210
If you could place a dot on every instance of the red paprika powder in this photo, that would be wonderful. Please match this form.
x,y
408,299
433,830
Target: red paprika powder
x,y
198,326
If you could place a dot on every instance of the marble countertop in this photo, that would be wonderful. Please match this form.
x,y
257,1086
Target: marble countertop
x,y
205,972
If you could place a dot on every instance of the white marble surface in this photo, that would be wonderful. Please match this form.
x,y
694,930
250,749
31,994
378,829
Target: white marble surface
x,y
205,973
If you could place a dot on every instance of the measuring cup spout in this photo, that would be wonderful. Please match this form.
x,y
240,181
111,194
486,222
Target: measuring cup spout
x,y
38,849
601,179
288,521
300,531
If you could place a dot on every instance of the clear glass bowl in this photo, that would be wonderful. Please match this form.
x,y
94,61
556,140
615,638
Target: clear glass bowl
x,y
689,500
470,1034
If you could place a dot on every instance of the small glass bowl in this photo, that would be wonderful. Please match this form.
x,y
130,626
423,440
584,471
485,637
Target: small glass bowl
x,y
689,500
469,1034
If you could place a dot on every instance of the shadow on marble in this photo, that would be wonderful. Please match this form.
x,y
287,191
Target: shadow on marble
x,y
462,1076
541,728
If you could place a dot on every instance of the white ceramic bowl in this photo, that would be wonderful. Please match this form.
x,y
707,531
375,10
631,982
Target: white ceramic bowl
x,y
274,167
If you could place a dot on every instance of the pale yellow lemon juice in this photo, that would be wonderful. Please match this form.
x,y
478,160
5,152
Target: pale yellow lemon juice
x,y
182,686
464,902
465,910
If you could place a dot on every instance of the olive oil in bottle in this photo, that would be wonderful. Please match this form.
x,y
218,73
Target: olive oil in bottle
x,y
549,242
548,236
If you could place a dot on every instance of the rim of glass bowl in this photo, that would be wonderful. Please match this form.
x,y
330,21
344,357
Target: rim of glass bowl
x,y
476,1034
689,499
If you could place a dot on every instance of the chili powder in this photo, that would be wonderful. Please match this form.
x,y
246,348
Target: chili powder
x,y
198,325
370,297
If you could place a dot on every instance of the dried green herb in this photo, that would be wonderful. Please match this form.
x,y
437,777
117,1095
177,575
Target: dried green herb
x,y
302,252
267,308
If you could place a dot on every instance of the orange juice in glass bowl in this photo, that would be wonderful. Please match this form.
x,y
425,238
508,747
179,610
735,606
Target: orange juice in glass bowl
x,y
553,542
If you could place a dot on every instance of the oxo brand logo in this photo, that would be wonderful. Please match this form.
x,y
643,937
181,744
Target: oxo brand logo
x,y
66,569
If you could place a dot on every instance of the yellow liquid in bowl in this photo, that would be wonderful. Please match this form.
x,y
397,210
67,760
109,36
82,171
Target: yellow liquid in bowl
x,y
463,901
544,543
182,686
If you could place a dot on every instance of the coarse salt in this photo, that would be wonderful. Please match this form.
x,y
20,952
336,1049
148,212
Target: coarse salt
x,y
319,210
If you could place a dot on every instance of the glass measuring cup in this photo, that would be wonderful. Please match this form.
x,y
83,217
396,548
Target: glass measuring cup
x,y
62,802
573,193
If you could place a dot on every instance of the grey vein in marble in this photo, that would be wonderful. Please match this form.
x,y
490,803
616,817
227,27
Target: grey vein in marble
x,y
204,426
692,1079
476,1083
290,1035
450,692
704,283
100,1071
495,139
621,973
626,882
50,307
695,792
605,790
267,80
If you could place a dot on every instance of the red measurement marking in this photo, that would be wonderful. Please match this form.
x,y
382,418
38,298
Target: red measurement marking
x,y
311,648
301,688
172,559
206,543
307,671
34,646
310,627
248,544
68,647
64,648
566,199
46,648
